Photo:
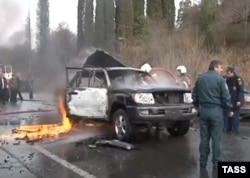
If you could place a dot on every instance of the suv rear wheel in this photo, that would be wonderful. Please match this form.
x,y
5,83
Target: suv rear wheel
x,y
121,125
179,128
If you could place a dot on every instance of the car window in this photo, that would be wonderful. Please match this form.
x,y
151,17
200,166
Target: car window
x,y
82,79
98,80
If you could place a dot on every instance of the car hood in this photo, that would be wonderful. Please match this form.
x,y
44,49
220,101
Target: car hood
x,y
151,89
103,60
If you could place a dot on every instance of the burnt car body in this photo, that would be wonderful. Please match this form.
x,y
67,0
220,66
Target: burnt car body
x,y
114,93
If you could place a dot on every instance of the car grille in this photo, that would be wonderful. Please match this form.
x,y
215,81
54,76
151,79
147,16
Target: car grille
x,y
165,98
163,111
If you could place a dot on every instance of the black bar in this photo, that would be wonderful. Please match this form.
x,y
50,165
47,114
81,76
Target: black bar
x,y
234,169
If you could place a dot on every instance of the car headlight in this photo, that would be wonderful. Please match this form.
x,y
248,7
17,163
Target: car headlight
x,y
143,98
193,110
187,98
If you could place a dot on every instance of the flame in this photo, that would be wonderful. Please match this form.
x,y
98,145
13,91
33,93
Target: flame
x,y
39,132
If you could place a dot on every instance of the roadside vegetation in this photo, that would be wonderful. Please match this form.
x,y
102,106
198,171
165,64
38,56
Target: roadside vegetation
x,y
158,35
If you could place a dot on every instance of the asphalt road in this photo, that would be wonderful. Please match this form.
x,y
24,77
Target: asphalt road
x,y
70,156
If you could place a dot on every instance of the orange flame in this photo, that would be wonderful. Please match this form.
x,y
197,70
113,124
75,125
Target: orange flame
x,y
38,132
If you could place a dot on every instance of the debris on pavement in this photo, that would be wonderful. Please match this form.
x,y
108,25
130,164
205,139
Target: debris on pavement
x,y
17,143
115,143
31,155
244,138
32,141
91,145
80,143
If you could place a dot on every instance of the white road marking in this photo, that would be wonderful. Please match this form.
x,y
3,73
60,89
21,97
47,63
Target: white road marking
x,y
64,163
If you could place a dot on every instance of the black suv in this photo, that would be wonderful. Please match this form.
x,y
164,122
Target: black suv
x,y
126,97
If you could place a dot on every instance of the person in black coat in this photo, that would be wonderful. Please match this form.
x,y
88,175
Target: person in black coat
x,y
236,89
3,88
13,89
19,84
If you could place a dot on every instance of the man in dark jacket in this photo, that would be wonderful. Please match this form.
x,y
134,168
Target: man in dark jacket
x,y
236,89
211,96
30,81
19,84
13,89
3,88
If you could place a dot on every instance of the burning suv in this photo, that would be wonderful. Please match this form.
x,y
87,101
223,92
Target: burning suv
x,y
106,90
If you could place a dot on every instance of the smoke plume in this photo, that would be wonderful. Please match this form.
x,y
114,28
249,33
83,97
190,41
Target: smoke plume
x,y
10,13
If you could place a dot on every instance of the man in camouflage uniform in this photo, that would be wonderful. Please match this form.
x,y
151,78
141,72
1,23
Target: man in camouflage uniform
x,y
211,97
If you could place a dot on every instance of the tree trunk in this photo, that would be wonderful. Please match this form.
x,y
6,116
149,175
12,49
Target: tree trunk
x,y
43,31
168,13
127,20
99,24
138,15
154,10
80,22
109,24
88,24
118,15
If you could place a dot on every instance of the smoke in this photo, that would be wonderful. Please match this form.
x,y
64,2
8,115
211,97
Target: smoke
x,y
10,14
54,78
81,58
139,80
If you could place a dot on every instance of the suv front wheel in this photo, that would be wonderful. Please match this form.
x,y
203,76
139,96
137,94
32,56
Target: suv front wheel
x,y
179,128
121,125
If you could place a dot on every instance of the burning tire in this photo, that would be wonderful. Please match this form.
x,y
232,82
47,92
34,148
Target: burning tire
x,y
179,128
121,125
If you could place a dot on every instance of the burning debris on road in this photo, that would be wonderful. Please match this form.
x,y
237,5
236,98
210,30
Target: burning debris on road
x,y
36,133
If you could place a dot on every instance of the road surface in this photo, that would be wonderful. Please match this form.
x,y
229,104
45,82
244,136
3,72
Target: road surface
x,y
70,156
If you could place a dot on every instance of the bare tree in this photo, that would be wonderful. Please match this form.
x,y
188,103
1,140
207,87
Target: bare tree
x,y
64,44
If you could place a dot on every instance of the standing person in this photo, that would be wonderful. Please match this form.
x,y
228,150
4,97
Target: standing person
x,y
13,89
225,114
19,84
3,88
183,77
211,96
236,89
30,86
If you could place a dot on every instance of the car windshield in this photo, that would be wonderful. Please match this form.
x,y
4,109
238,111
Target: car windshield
x,y
129,78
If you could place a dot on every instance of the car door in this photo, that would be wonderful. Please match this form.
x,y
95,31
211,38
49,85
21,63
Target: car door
x,y
89,98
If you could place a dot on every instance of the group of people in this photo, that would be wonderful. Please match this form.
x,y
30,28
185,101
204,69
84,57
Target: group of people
x,y
9,89
217,95
235,86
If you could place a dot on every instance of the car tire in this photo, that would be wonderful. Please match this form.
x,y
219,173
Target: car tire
x,y
179,128
121,126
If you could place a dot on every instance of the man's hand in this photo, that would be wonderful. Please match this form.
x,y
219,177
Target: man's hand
x,y
231,114
238,103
